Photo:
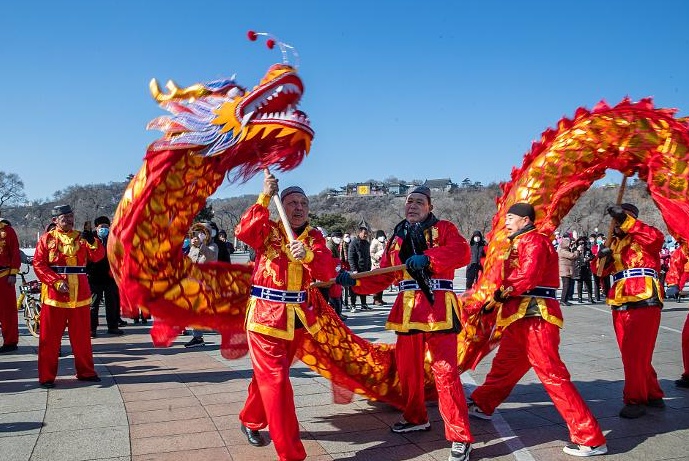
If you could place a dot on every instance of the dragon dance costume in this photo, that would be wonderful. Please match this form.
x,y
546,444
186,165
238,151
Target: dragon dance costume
x,y
277,316
677,275
420,324
531,318
62,256
10,262
636,300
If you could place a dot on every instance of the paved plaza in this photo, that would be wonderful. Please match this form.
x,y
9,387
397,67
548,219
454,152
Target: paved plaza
x,y
182,404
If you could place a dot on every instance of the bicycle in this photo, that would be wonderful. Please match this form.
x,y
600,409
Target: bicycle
x,y
29,301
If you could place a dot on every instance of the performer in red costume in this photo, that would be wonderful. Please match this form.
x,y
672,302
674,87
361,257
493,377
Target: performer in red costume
x,y
278,312
428,246
633,261
9,268
531,315
60,264
676,275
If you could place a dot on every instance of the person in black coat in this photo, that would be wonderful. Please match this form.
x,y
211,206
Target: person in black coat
x,y
102,283
581,269
359,258
478,251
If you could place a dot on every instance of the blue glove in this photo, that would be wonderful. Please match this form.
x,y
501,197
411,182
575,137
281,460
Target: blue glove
x,y
672,291
345,279
417,262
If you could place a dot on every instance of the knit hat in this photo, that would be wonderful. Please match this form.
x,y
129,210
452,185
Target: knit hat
x,y
60,210
101,220
631,209
523,209
291,190
337,233
421,190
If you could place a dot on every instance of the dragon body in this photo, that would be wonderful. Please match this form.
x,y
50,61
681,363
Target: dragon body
x,y
220,129
633,138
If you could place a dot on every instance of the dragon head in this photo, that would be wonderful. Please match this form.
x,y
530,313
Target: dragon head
x,y
248,130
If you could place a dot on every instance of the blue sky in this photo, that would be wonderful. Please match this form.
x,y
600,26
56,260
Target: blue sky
x,y
416,90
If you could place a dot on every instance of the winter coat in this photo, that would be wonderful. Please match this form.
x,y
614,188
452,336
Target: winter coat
x,y
566,258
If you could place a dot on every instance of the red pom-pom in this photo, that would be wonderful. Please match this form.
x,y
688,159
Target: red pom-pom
x,y
270,43
252,35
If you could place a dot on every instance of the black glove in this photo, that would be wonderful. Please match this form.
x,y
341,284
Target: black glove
x,y
345,279
617,213
417,262
499,297
89,236
604,253
672,291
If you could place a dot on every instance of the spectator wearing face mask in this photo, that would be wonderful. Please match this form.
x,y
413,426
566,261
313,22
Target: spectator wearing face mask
x,y
376,251
102,284
204,249
478,251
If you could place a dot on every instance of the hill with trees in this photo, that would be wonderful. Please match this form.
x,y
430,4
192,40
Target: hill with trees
x,y
471,207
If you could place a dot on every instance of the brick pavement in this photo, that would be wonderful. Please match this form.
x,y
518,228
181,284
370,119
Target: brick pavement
x,y
182,404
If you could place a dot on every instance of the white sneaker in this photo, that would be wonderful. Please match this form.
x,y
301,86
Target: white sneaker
x,y
459,451
583,451
476,412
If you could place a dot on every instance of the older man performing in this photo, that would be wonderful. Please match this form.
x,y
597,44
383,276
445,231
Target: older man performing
x,y
278,312
532,317
60,264
428,246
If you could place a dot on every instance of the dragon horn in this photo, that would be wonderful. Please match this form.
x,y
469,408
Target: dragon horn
x,y
272,41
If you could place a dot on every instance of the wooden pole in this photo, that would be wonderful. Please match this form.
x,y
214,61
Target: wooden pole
x,y
281,212
620,194
361,275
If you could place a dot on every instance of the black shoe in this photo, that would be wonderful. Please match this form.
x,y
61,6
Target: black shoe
x,y
115,331
404,426
136,321
656,403
566,303
631,411
48,385
94,334
195,342
144,321
8,348
365,307
122,323
91,379
253,437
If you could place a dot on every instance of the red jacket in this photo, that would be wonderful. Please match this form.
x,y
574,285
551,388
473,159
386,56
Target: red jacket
x,y
531,262
640,247
275,268
411,310
678,266
57,248
10,259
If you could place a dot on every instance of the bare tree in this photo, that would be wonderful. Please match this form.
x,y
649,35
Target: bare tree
x,y
11,189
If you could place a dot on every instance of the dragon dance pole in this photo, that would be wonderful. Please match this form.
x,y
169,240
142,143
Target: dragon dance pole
x,y
361,275
283,215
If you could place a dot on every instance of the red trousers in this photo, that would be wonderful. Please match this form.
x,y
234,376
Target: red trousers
x,y
533,342
271,400
53,323
9,321
685,347
636,331
410,353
